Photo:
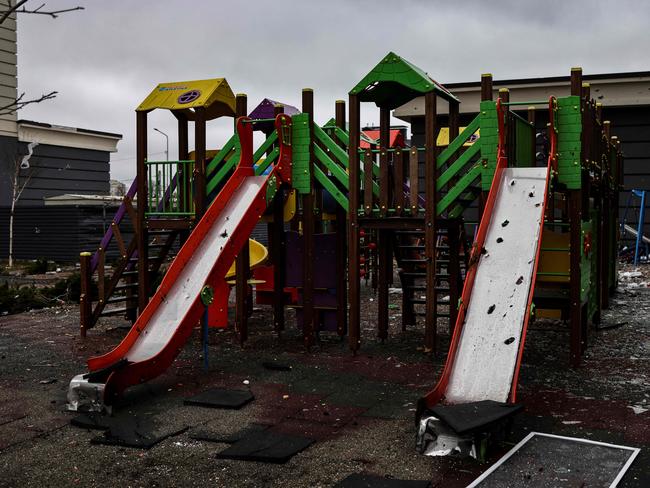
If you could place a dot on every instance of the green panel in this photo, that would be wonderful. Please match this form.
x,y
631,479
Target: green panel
x,y
569,128
337,151
524,140
220,156
257,155
456,144
261,168
223,171
586,262
489,141
331,166
461,186
300,177
395,81
271,189
455,168
331,188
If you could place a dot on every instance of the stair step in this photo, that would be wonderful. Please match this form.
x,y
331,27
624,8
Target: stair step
x,y
424,288
116,311
159,232
120,298
420,301
440,315
124,286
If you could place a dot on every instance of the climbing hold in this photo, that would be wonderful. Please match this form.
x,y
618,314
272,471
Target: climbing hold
x,y
520,280
505,222
499,240
491,309
509,340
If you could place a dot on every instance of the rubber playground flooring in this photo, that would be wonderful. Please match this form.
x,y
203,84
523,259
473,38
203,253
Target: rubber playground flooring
x,y
358,409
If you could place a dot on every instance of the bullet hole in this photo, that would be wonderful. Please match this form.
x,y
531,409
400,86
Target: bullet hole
x,y
531,194
504,315
499,240
491,309
505,222
224,233
520,280
509,340
538,204
512,183
483,251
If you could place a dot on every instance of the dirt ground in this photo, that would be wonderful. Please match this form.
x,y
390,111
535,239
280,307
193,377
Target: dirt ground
x,y
359,409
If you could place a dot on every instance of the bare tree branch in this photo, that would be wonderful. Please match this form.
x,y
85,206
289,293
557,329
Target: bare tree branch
x,y
11,10
19,103
52,13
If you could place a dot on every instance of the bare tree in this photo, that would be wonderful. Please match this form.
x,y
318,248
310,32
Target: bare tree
x,y
20,8
20,181
18,185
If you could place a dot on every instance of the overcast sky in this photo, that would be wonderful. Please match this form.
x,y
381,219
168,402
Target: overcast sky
x,y
104,60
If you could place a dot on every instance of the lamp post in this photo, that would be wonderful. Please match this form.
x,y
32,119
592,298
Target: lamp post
x,y
166,142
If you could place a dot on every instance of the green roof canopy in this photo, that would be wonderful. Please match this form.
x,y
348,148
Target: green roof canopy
x,y
395,81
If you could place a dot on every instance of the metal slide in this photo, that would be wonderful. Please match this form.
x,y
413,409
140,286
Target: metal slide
x,y
488,340
166,323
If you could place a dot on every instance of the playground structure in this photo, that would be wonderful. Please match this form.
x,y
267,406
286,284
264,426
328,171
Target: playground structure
x,y
361,204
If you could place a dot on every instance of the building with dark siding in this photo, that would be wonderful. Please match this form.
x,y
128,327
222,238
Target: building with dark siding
x,y
626,104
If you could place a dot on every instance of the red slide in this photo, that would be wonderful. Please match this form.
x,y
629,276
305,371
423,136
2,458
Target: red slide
x,y
166,323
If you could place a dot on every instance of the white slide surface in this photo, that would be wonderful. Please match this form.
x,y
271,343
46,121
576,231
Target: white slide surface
x,y
487,353
187,287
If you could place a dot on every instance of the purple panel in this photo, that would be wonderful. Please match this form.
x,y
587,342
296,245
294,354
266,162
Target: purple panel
x,y
265,110
324,260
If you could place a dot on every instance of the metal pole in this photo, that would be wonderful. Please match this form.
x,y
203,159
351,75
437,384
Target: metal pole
x,y
166,143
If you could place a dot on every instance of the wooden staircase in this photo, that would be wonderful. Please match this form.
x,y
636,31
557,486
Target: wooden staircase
x,y
451,264
114,289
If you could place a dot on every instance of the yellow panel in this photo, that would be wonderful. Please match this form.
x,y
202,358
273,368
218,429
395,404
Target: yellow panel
x,y
289,208
548,313
258,254
191,94
554,261
443,136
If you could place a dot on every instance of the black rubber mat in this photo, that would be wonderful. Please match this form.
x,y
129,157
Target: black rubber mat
x,y
221,398
212,436
368,481
266,447
133,435
276,366
467,417
92,421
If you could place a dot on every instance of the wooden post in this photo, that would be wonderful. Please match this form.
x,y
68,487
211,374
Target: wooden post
x,y
308,231
142,236
576,81
199,163
85,298
384,255
278,243
486,86
455,279
575,239
242,266
384,143
353,242
341,245
183,155
431,319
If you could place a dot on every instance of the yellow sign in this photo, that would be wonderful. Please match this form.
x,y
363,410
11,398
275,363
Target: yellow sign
x,y
183,95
